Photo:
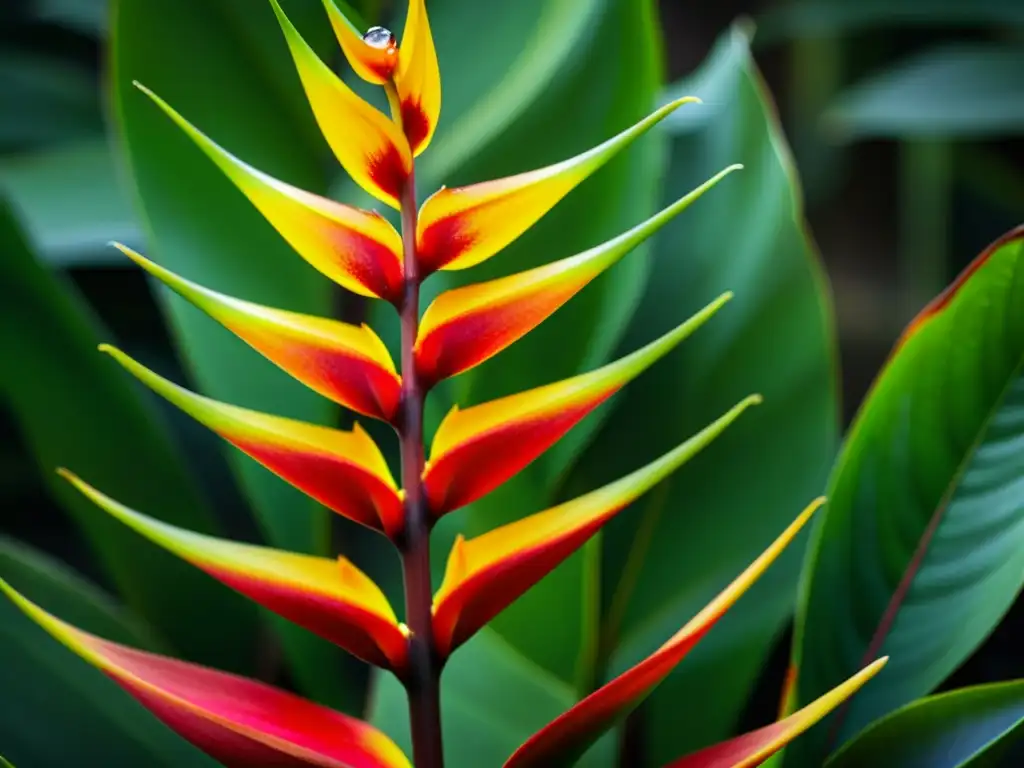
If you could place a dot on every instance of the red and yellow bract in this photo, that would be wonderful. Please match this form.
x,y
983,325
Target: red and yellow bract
x,y
245,723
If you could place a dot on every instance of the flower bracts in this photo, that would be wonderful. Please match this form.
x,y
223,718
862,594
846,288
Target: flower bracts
x,y
475,450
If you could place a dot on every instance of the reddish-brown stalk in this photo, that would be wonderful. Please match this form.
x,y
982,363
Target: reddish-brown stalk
x,y
424,676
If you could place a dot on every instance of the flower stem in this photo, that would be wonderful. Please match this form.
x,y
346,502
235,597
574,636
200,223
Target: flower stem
x,y
423,680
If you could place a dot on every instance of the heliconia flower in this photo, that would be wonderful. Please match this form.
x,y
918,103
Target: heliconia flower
x,y
332,598
477,449
357,249
461,227
484,575
376,57
752,749
236,721
571,734
464,327
369,146
344,471
347,363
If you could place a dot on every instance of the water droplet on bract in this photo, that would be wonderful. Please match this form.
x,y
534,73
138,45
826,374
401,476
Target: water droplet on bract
x,y
379,37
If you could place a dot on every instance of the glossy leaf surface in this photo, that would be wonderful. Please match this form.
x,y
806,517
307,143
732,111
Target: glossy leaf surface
x,y
920,553
691,536
968,728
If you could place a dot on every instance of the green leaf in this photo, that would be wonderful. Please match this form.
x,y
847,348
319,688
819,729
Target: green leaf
x,y
810,18
45,100
920,551
492,700
224,65
72,201
58,710
968,728
665,559
74,409
621,52
960,91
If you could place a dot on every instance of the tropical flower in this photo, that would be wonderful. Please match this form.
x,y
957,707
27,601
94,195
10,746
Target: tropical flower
x,y
245,723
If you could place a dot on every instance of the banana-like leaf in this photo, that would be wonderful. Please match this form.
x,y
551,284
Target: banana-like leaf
x,y
235,720
973,727
922,550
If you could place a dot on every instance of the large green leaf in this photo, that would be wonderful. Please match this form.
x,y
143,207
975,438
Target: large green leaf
x,y
493,699
76,410
970,728
663,560
921,550
56,709
224,65
962,90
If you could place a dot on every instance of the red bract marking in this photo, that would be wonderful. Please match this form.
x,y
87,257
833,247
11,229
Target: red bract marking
x,y
943,300
348,490
369,262
359,632
444,241
387,171
415,123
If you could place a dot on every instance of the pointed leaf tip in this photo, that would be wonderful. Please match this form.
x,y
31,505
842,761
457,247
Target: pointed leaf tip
x,y
752,749
368,145
486,574
345,471
234,720
465,326
347,363
357,249
571,734
477,449
352,612
464,226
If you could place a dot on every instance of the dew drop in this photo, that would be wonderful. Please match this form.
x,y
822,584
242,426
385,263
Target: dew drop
x,y
379,37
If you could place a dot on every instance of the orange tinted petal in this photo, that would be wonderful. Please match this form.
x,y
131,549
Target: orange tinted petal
x,y
348,364
238,722
752,749
372,63
367,144
484,575
477,449
332,598
418,79
466,326
568,736
344,471
357,249
461,227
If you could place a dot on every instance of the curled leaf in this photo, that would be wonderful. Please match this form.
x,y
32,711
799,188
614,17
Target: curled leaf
x,y
347,363
344,471
486,574
568,736
367,144
237,721
477,449
461,227
465,326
